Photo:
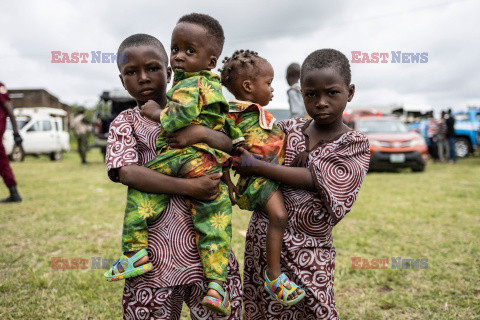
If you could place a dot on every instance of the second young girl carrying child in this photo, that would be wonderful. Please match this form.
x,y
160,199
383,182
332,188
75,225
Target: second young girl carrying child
x,y
249,78
325,164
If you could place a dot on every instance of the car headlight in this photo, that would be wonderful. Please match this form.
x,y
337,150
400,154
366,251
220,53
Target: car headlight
x,y
417,142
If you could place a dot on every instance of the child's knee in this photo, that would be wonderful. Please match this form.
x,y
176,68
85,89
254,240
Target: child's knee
x,y
278,219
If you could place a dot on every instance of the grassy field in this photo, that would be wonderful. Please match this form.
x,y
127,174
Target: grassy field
x,y
73,211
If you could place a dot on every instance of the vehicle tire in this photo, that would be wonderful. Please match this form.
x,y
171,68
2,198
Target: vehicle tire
x,y
17,154
56,156
419,168
462,147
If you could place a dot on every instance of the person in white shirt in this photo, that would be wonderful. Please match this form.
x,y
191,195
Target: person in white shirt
x,y
295,99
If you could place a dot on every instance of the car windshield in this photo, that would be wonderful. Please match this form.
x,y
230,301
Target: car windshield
x,y
20,123
461,117
382,126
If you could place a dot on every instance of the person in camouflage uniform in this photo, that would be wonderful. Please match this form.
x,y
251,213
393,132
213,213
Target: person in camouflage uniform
x,y
82,128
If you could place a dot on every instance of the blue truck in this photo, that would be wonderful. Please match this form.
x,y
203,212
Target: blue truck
x,y
467,126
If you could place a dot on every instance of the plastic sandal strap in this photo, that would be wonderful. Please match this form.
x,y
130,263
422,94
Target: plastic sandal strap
x,y
127,263
215,286
284,293
288,292
137,256
218,305
114,268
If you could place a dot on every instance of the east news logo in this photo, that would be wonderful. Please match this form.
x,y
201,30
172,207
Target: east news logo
x,y
389,57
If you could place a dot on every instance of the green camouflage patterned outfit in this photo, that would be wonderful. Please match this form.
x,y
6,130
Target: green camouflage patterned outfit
x,y
259,130
195,98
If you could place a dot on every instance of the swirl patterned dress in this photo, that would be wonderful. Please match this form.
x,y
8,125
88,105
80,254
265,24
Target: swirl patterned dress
x,y
338,168
177,276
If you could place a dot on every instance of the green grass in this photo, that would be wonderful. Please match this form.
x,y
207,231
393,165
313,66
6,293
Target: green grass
x,y
73,211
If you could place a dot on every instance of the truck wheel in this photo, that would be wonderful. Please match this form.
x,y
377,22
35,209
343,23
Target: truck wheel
x,y
462,147
56,156
17,154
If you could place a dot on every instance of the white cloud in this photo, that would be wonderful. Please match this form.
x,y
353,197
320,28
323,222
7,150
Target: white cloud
x,y
281,31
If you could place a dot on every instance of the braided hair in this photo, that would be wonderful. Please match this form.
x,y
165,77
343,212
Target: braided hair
x,y
240,65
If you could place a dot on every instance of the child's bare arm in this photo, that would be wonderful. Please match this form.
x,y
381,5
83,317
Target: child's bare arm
x,y
204,188
248,164
193,134
188,135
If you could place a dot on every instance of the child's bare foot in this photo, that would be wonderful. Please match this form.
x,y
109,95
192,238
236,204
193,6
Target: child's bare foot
x,y
214,293
140,262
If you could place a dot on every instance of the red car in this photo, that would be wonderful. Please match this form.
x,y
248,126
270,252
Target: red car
x,y
392,144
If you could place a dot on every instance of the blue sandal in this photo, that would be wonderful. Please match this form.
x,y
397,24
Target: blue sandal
x,y
282,296
220,306
128,269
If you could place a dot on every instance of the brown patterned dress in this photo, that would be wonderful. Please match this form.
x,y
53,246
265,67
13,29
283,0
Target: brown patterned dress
x,y
308,257
177,274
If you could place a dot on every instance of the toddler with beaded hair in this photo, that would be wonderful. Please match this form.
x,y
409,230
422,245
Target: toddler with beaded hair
x,y
249,78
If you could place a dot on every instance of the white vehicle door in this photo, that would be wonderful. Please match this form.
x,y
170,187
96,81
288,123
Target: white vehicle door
x,y
50,136
32,140
39,137
61,137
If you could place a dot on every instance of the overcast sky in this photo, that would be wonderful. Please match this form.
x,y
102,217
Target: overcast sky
x,y
281,31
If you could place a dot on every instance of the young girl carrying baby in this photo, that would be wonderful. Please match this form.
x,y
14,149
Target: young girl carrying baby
x,y
249,78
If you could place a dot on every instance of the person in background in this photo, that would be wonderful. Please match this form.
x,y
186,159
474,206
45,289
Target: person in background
x,y
297,108
6,110
432,131
450,122
81,128
442,139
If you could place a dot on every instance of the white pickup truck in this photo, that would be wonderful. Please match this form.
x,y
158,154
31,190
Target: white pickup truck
x,y
42,130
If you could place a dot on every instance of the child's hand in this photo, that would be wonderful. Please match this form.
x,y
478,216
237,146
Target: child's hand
x,y
232,189
246,162
187,136
151,110
204,188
